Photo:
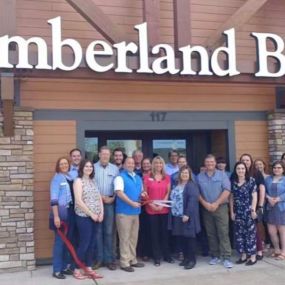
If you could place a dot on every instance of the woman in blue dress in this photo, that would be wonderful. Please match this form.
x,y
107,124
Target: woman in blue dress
x,y
275,195
243,202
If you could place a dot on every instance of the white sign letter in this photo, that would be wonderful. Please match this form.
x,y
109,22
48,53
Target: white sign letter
x,y
91,52
230,51
187,60
168,60
263,54
122,50
23,56
143,49
57,45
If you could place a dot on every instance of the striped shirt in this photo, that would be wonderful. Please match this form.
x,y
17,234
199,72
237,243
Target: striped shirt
x,y
104,178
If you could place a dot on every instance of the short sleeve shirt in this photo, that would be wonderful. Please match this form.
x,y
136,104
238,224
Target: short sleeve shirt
x,y
104,178
156,191
211,187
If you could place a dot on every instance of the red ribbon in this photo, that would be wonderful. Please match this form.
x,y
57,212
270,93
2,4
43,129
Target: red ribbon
x,y
62,232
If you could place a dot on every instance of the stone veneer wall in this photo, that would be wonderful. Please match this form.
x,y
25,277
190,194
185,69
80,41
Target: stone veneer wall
x,y
276,134
16,195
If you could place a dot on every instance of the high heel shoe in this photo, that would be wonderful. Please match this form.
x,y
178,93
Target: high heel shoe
x,y
241,261
250,262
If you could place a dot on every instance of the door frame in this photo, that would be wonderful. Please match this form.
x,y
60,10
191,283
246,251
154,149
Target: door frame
x,y
145,120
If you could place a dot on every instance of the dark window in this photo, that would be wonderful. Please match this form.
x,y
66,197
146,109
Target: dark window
x,y
280,97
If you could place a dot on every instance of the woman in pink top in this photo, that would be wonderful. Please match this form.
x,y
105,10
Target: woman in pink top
x,y
157,186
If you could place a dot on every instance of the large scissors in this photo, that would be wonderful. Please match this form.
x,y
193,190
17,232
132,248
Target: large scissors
x,y
163,203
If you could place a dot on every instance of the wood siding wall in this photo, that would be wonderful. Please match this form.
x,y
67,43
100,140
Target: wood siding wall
x,y
251,137
205,16
134,95
52,139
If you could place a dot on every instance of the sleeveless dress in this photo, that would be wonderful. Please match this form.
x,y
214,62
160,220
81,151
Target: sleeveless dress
x,y
90,197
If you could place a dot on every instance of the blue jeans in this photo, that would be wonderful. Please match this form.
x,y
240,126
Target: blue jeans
x,y
72,236
60,254
104,236
87,229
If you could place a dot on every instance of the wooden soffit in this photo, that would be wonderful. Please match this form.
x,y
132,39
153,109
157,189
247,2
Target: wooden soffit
x,y
151,15
238,19
182,23
98,19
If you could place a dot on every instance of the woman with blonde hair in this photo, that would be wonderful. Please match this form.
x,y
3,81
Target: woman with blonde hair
x,y
157,186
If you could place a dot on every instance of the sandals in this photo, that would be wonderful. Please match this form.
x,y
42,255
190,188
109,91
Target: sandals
x,y
275,255
78,275
92,274
280,257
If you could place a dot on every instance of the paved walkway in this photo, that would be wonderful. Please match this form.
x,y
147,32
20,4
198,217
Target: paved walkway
x,y
267,271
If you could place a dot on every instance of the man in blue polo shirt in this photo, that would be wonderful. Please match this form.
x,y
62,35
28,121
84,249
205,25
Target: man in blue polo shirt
x,y
128,186
215,190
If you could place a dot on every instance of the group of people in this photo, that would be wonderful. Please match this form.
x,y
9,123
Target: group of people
x,y
145,207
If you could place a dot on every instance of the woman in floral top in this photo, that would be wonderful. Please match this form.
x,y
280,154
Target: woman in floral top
x,y
243,202
89,212
184,220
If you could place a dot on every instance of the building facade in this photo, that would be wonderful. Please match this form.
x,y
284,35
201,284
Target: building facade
x,y
46,113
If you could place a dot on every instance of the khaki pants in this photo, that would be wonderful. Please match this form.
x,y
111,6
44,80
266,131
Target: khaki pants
x,y
217,228
128,228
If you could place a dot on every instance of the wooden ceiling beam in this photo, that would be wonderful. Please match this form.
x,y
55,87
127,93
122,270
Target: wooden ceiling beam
x,y
182,23
7,98
151,15
98,19
7,17
238,19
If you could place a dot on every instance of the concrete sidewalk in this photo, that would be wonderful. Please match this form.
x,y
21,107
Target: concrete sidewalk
x,y
268,271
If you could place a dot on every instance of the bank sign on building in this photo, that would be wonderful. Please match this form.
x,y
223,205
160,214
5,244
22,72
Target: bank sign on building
x,y
197,76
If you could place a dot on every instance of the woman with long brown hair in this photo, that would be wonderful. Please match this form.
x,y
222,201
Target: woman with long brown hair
x,y
157,186
259,180
242,206
260,165
89,213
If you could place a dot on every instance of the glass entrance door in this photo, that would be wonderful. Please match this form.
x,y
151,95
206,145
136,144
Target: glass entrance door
x,y
194,144
128,146
163,147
